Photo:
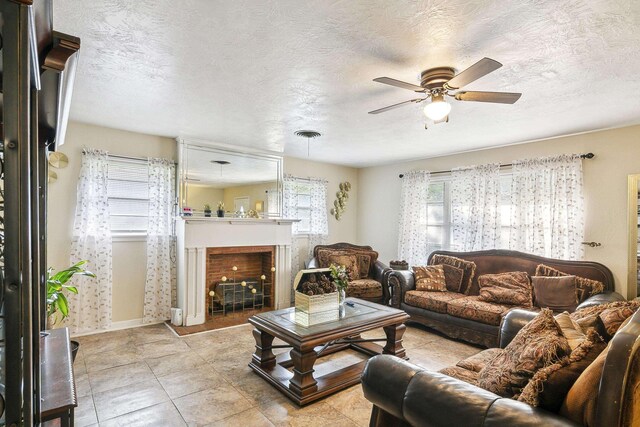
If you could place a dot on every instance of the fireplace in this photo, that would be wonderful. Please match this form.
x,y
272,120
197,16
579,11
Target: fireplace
x,y
199,238
244,288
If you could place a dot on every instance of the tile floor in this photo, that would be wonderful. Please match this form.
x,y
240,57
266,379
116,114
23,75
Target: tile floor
x,y
148,376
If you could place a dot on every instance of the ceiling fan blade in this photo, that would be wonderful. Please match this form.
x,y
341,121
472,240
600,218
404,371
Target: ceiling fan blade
x,y
400,104
473,73
398,83
498,97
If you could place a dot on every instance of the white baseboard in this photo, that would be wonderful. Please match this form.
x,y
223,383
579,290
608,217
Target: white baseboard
x,y
123,324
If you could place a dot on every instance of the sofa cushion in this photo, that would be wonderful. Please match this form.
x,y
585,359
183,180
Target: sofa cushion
x,y
480,360
468,267
538,344
462,374
584,287
348,259
471,308
557,293
549,386
512,288
453,277
429,278
364,288
432,301
570,329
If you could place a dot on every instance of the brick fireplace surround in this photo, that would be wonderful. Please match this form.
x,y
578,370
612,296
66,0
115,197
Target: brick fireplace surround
x,y
252,262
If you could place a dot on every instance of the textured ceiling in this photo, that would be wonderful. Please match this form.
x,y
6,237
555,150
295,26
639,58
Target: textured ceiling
x,y
250,73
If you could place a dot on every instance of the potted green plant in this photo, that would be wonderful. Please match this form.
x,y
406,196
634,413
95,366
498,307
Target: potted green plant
x,y
220,210
207,210
57,303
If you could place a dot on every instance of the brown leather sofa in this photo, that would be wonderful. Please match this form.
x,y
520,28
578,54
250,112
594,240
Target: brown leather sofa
x,y
373,282
404,394
465,317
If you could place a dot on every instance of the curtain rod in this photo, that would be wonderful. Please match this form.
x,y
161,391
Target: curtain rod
x,y
507,165
138,159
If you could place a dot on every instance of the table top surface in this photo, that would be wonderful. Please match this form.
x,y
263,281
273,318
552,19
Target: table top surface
x,y
353,315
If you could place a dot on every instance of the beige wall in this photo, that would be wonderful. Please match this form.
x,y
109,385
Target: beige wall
x,y
339,231
129,257
254,192
605,181
200,195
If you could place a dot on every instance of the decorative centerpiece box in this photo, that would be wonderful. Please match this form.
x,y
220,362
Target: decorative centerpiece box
x,y
315,278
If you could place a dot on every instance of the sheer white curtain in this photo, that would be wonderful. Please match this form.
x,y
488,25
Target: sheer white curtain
x,y
319,226
159,290
475,207
318,230
90,310
290,211
547,207
412,234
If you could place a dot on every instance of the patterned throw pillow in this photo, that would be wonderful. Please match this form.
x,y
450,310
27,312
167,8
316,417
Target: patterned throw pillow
x,y
511,288
326,257
612,318
570,329
430,278
468,267
584,287
453,277
549,386
538,344
589,317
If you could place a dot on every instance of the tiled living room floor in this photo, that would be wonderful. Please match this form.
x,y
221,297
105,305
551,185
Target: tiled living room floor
x,y
150,377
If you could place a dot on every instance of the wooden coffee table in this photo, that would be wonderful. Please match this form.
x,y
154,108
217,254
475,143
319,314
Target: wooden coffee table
x,y
308,343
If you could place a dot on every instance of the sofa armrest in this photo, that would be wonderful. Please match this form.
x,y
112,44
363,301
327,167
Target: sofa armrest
x,y
602,298
512,323
421,397
380,272
400,281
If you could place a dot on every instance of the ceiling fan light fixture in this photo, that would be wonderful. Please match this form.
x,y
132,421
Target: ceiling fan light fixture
x,y
437,109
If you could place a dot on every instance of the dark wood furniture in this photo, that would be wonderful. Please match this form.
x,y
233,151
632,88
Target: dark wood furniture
x,y
309,343
58,386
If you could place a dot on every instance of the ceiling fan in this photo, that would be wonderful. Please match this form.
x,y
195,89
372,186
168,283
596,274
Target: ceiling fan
x,y
436,83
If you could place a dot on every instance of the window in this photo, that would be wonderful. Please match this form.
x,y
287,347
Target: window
x,y
128,193
439,226
300,192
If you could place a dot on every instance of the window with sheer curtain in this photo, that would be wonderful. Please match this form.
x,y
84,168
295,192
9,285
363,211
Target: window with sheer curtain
x,y
535,207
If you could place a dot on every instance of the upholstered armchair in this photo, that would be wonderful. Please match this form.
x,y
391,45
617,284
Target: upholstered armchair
x,y
369,278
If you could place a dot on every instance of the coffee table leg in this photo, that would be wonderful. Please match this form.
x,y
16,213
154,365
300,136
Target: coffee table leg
x,y
302,383
263,355
394,340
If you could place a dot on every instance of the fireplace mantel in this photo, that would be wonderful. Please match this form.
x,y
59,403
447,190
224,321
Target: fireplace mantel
x,y
195,235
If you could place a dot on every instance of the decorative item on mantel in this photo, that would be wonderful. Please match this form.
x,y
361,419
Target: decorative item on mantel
x,y
207,210
220,210
340,204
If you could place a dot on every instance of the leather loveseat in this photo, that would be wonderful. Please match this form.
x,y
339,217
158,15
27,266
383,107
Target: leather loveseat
x,y
372,281
466,317
404,394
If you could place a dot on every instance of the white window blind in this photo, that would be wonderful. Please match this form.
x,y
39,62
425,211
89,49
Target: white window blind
x,y
128,192
302,206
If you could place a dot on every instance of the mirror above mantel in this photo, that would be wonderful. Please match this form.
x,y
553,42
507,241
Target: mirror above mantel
x,y
246,182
